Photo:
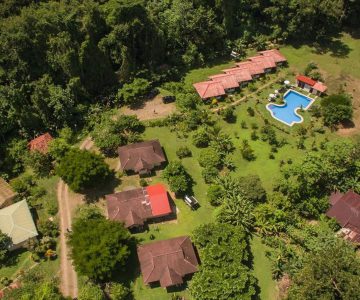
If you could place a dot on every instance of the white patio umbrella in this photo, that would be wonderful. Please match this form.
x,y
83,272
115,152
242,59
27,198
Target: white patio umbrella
x,y
286,82
276,92
272,96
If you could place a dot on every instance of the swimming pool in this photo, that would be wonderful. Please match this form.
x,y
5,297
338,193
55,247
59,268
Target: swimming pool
x,y
287,113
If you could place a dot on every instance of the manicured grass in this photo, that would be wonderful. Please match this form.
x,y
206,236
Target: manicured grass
x,y
262,270
335,66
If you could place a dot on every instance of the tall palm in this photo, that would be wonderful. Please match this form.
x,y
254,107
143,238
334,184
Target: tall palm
x,y
237,211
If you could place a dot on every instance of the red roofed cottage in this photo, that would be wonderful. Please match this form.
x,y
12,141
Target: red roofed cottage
x,y
209,89
135,207
310,85
40,143
345,208
167,262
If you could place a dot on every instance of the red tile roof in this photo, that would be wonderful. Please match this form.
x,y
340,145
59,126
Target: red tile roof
x,y
167,261
275,54
158,200
135,207
254,68
208,89
141,157
266,62
319,86
40,143
242,75
228,81
346,210
305,79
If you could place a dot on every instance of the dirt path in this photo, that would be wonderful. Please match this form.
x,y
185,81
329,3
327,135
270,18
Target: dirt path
x,y
67,203
245,97
152,109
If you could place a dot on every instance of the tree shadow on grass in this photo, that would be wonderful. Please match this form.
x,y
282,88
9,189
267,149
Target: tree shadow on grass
x,y
332,45
94,194
127,275
14,257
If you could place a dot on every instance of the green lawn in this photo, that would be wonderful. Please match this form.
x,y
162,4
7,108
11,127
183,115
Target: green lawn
x,y
262,270
336,68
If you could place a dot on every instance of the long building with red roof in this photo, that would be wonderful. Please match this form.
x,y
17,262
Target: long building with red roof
x,y
240,75
135,207
209,89
310,85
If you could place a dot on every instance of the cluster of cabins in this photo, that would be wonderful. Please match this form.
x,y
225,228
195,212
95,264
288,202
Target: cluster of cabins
x,y
219,85
168,262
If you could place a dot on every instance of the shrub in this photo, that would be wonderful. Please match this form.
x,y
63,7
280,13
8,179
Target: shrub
x,y
143,182
243,125
183,151
201,138
254,135
271,156
228,114
209,174
336,109
83,170
209,158
48,228
215,194
254,126
177,177
246,151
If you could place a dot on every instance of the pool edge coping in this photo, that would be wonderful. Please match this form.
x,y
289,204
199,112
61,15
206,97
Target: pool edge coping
x,y
295,111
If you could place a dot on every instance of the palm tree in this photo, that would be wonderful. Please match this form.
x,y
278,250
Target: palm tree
x,y
237,211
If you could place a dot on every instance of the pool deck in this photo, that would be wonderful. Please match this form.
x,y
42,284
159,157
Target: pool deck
x,y
312,100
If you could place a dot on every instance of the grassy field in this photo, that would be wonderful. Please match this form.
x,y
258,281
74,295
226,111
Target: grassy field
x,y
262,270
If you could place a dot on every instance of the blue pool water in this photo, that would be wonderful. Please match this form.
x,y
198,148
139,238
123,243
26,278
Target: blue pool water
x,y
286,113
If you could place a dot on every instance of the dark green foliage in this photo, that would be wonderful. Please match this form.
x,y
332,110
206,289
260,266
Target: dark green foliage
x,y
179,180
246,151
23,185
36,284
238,211
186,101
5,243
209,174
223,252
98,260
202,137
134,93
319,173
183,152
254,135
209,157
48,228
41,163
91,291
336,109
228,114
83,170
268,134
118,291
252,188
111,132
330,271
215,194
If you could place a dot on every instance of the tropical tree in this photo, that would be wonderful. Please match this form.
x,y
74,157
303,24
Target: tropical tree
x,y
99,260
238,211
177,177
83,170
5,243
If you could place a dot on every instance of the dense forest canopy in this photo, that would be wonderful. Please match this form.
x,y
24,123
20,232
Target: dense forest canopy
x,y
59,57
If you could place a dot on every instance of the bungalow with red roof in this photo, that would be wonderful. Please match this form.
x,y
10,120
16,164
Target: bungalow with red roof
x,y
40,143
345,209
141,157
310,85
265,62
228,81
167,262
276,55
242,76
210,89
255,69
137,206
